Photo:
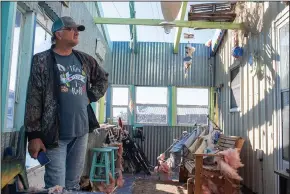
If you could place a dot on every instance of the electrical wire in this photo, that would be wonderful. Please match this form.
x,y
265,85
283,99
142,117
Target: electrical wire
x,y
120,15
159,18
153,16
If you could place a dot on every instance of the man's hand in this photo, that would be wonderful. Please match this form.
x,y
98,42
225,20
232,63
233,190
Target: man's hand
x,y
34,147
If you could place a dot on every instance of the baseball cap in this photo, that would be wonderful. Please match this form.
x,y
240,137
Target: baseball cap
x,y
67,22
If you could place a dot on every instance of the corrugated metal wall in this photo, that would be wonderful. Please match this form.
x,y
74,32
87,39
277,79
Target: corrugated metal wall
x,y
92,8
156,65
88,38
257,121
158,139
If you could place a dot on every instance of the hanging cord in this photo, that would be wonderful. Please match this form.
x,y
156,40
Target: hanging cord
x,y
216,126
175,142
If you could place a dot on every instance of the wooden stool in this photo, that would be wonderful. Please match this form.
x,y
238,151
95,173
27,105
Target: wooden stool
x,y
113,159
104,163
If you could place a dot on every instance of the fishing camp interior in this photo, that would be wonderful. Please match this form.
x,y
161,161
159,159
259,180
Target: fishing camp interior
x,y
197,99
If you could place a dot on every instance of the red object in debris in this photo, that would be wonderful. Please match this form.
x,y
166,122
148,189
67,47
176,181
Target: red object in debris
x,y
120,123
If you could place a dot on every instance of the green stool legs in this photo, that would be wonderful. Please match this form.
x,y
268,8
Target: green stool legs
x,y
93,169
107,168
102,164
113,163
113,160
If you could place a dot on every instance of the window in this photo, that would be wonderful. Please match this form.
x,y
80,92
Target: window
x,y
192,106
285,125
120,101
284,83
42,42
42,39
13,71
151,105
235,89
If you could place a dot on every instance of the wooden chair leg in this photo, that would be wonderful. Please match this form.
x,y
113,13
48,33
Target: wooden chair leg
x,y
198,175
230,187
183,174
190,186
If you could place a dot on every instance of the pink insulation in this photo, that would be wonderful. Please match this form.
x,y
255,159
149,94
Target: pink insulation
x,y
232,157
120,180
55,189
108,188
228,171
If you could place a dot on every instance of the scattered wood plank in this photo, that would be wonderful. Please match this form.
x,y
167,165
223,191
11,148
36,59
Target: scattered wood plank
x,y
218,12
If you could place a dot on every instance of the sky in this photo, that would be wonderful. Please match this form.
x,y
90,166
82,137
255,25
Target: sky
x,y
152,10
148,10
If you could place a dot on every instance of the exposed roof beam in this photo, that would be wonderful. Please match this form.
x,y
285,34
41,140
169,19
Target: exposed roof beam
x,y
133,31
179,29
178,23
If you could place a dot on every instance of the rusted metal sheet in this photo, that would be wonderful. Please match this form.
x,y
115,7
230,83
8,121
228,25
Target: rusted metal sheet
x,y
156,65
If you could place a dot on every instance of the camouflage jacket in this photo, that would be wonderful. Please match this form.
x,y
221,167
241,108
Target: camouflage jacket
x,y
41,111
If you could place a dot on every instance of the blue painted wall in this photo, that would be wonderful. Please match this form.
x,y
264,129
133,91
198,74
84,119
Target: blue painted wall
x,y
24,67
8,13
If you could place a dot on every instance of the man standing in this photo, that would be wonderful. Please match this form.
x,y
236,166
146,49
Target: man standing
x,y
62,83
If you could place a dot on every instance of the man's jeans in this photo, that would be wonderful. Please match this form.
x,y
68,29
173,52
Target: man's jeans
x,y
67,163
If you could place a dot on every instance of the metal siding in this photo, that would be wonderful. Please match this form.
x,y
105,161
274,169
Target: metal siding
x,y
156,65
92,8
52,9
158,139
88,37
9,139
256,121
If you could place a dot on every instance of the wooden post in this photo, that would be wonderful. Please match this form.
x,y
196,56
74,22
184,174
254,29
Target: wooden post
x,y
198,174
179,29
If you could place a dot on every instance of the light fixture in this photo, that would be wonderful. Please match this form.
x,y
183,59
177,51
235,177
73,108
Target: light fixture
x,y
167,26
170,10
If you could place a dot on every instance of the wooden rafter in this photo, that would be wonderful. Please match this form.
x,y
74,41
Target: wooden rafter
x,y
177,23
133,31
179,29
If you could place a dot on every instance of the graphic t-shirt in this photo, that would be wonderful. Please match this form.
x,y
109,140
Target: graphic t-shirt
x,y
73,97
